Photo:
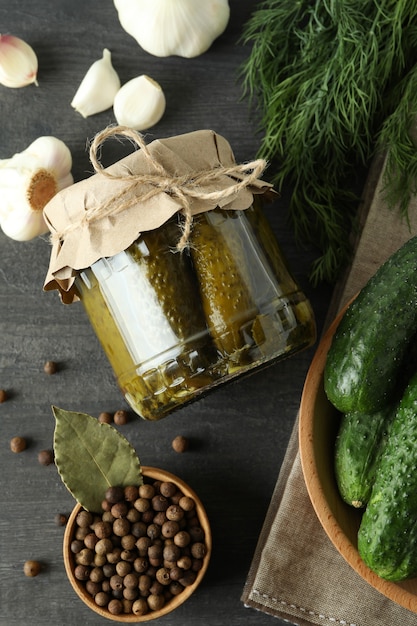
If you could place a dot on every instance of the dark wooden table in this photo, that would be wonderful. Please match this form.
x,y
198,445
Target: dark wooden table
x,y
238,434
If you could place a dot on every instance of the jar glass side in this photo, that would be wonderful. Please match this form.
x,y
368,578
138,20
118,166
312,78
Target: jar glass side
x,y
304,332
175,325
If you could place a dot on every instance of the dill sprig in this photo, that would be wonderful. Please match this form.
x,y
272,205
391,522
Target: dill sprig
x,y
333,80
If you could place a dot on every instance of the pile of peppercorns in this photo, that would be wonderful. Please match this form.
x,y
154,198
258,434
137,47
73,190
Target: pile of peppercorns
x,y
145,547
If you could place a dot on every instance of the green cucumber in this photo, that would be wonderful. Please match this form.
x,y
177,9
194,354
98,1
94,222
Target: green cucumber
x,y
387,538
370,342
360,439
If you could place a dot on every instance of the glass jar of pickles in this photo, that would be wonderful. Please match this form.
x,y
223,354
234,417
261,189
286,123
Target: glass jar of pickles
x,y
176,324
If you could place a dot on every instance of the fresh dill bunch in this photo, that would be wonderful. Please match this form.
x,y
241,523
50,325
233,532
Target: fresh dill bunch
x,y
325,76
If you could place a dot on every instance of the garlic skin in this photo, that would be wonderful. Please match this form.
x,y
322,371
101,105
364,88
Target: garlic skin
x,y
18,62
140,103
28,180
98,87
185,28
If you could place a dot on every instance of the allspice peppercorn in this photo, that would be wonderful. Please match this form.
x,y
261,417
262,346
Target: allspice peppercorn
x,y
140,607
160,503
90,541
131,493
174,513
182,539
46,457
186,503
168,489
115,607
155,602
32,568
50,367
60,519
162,576
121,526
198,550
170,529
180,444
3,395
105,418
121,417
119,509
103,529
114,494
102,598
146,491
84,519
103,546
18,444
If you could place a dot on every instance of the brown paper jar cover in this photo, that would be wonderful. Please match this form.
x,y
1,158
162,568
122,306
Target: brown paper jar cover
x,y
78,241
175,325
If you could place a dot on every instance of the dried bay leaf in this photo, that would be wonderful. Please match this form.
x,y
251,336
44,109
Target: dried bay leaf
x,y
91,456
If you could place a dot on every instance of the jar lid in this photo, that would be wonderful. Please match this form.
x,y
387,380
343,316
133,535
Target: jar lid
x,y
104,214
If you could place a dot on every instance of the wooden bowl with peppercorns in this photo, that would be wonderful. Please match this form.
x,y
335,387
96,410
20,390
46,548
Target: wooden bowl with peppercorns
x,y
144,554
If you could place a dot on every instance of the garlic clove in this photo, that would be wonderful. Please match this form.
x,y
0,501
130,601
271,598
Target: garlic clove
x,y
24,225
28,180
139,103
18,62
98,88
185,28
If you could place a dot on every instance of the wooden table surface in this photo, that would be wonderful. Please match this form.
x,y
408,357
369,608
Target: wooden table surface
x,y
238,434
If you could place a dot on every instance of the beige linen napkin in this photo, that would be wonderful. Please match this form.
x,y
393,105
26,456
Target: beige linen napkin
x,y
296,573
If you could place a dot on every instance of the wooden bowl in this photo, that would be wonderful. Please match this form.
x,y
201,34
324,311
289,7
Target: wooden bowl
x,y
176,601
318,426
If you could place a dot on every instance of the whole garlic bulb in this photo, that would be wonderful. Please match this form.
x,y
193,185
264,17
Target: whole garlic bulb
x,y
140,103
28,180
98,87
185,28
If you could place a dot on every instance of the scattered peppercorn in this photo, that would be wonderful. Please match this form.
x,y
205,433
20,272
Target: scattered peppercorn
x,y
18,444
105,418
50,367
61,519
121,417
180,444
132,558
46,457
3,395
32,568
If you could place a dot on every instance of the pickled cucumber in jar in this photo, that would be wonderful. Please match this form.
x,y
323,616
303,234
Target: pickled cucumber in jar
x,y
224,286
254,309
145,308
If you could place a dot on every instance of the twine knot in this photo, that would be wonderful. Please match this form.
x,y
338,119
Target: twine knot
x,y
184,188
